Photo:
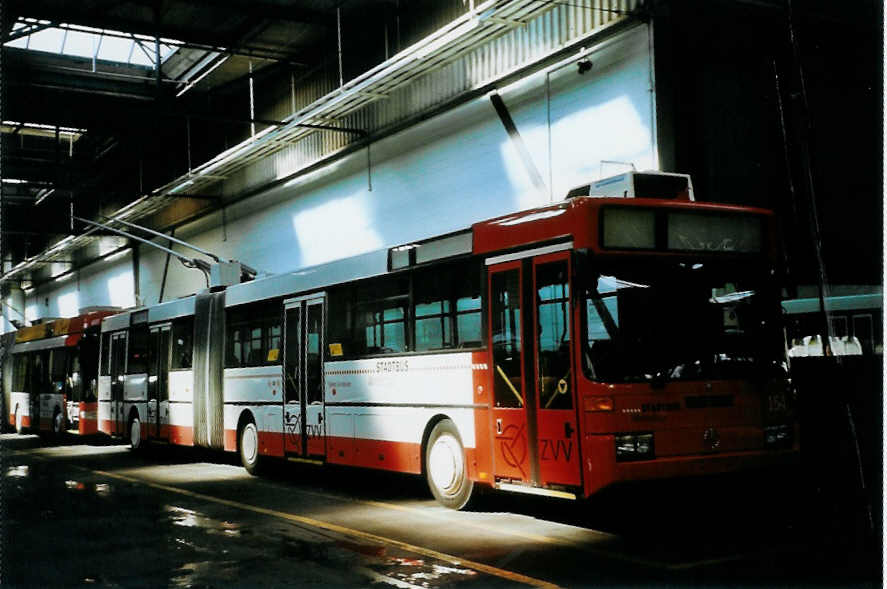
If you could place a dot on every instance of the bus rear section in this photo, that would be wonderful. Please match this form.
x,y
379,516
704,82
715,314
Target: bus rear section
x,y
53,380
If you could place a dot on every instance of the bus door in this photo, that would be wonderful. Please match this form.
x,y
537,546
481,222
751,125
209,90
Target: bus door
x,y
558,440
118,371
511,430
534,407
303,413
158,381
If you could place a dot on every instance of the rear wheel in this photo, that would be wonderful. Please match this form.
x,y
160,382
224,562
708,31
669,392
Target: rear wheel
x,y
249,447
445,467
58,424
135,433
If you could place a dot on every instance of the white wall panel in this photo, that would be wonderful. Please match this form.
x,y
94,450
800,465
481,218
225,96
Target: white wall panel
x,y
108,283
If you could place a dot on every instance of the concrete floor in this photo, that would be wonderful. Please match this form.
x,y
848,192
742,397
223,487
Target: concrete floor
x,y
93,513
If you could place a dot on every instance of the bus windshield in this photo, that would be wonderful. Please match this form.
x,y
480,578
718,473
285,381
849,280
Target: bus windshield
x,y
679,322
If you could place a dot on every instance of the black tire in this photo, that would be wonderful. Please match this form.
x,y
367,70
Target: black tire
x,y
445,468
248,447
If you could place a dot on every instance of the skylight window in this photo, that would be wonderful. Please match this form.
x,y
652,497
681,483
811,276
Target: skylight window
x,y
87,42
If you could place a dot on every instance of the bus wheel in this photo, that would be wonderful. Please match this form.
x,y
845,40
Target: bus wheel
x,y
135,434
58,424
18,420
445,467
249,448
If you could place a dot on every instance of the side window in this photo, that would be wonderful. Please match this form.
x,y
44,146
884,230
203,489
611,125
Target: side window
x,y
118,356
105,360
138,350
381,316
447,307
58,367
182,344
40,371
20,382
253,335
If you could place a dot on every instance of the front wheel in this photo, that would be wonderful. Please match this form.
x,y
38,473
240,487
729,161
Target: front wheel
x,y
249,448
445,467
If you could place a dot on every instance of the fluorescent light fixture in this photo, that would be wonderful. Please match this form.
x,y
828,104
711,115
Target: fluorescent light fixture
x,y
191,84
181,187
46,194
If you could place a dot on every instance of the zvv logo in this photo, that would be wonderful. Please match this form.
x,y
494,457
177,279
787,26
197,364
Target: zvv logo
x,y
513,447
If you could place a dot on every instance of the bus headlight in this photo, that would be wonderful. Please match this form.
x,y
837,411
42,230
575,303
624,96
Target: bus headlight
x,y
634,447
778,436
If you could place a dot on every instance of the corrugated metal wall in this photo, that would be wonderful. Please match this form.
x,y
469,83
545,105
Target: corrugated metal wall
x,y
555,29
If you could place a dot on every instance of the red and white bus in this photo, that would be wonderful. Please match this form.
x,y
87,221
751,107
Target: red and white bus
x,y
52,375
553,351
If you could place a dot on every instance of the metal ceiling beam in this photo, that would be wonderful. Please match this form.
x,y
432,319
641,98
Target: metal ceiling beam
x,y
175,36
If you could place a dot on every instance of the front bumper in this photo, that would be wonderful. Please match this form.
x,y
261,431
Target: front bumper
x,y
602,469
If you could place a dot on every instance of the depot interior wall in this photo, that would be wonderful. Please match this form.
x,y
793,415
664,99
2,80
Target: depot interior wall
x,y
109,283
438,176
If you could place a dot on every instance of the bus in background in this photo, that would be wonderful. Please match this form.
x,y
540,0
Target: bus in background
x,y
554,351
856,322
52,375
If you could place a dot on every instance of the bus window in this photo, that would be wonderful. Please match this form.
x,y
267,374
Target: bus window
x,y
863,331
553,307
20,381
75,380
253,336
58,367
105,360
381,316
138,350
505,330
447,307
182,344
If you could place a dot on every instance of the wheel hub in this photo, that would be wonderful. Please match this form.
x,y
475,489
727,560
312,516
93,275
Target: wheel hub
x,y
249,444
445,464
135,433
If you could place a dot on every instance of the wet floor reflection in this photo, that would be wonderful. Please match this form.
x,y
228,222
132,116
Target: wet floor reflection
x,y
21,470
420,573
179,516
75,485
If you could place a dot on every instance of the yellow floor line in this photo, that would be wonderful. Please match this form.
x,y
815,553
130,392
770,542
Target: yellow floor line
x,y
477,566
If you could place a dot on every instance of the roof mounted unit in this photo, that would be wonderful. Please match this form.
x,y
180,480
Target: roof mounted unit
x,y
437,248
649,184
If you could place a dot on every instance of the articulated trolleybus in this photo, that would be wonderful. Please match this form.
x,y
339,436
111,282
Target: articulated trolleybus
x,y
51,375
554,351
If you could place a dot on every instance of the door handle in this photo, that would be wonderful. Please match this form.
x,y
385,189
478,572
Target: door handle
x,y
319,418
568,430
498,426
